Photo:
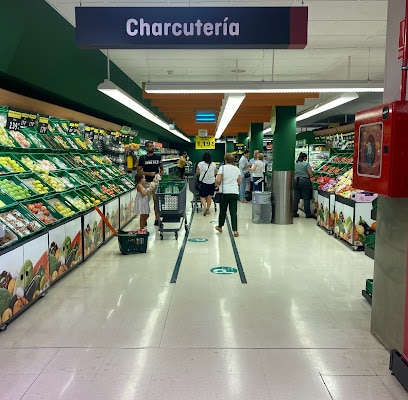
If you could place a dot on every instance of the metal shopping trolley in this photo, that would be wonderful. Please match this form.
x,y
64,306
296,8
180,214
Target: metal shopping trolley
x,y
192,186
171,206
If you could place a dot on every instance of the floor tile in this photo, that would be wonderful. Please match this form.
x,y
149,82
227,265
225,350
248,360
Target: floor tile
x,y
116,328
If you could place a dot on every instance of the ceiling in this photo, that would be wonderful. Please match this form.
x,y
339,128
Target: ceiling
x,y
346,41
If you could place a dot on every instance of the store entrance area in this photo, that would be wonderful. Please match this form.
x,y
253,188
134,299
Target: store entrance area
x,y
116,328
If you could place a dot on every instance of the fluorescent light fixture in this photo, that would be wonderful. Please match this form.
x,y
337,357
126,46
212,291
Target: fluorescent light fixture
x,y
327,105
229,107
265,87
110,89
267,130
205,117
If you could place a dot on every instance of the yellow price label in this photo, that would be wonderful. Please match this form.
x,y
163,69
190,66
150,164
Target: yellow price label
x,y
204,142
14,114
43,120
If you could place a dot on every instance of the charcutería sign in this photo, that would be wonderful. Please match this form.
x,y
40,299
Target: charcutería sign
x,y
191,27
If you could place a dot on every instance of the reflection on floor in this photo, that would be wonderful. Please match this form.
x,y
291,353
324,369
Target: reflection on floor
x,y
115,328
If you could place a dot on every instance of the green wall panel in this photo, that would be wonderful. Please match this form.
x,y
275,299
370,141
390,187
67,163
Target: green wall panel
x,y
40,59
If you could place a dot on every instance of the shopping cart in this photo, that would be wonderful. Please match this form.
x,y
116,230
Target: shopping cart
x,y
192,186
171,206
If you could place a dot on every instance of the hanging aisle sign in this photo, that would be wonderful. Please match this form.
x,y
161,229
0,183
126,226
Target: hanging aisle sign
x,y
191,27
202,143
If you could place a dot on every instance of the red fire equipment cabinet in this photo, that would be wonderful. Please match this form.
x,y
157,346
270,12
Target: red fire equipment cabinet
x,y
381,149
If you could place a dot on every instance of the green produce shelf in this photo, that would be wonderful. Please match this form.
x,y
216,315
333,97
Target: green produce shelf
x,y
65,208
20,220
16,189
43,211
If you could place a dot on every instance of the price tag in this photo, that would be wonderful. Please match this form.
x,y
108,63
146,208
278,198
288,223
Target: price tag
x,y
204,143
73,127
43,124
13,120
32,120
24,119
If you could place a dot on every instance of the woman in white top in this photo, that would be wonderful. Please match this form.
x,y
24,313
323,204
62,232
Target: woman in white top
x,y
206,170
258,171
228,179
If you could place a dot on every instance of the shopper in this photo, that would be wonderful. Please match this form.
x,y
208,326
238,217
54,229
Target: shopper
x,y
142,207
229,179
258,173
252,162
206,171
302,186
244,168
151,165
181,165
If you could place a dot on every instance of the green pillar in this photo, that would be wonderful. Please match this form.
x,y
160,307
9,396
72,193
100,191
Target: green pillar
x,y
284,141
256,141
243,138
229,147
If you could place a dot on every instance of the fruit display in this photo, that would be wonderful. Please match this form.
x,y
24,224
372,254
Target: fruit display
x,y
127,182
106,189
59,162
71,142
77,160
10,164
61,141
54,182
97,174
40,164
117,188
7,237
21,139
91,196
5,139
79,178
35,184
14,190
77,201
81,143
62,207
42,212
98,193
33,137
22,225
98,159
66,179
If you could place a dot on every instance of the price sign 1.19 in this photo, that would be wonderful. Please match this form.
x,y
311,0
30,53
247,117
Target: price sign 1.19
x,y
202,143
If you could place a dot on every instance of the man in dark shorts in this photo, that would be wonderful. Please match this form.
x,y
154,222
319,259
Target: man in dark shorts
x,y
150,165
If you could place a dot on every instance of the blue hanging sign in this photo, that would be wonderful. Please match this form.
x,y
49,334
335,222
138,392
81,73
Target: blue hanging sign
x,y
191,27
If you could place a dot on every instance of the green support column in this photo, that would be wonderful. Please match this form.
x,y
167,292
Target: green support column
x,y
284,141
256,141
229,147
243,138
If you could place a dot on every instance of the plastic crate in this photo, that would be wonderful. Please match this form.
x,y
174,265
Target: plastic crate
x,y
132,242
370,241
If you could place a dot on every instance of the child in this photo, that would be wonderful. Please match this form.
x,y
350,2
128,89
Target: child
x,y
142,207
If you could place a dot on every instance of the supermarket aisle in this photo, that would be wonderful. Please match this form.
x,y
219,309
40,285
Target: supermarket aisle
x,y
115,328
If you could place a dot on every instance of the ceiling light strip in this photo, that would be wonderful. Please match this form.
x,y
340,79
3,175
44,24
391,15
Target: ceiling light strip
x,y
327,105
265,87
230,105
110,89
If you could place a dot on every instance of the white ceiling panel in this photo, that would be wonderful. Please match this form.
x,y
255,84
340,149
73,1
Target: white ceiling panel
x,y
346,40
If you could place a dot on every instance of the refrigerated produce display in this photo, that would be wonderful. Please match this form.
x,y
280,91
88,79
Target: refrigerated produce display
x,y
49,184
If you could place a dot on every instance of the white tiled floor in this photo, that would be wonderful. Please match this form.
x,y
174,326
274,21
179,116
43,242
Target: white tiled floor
x,y
115,328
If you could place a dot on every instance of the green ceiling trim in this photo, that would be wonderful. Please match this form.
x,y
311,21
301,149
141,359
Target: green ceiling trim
x,y
40,57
